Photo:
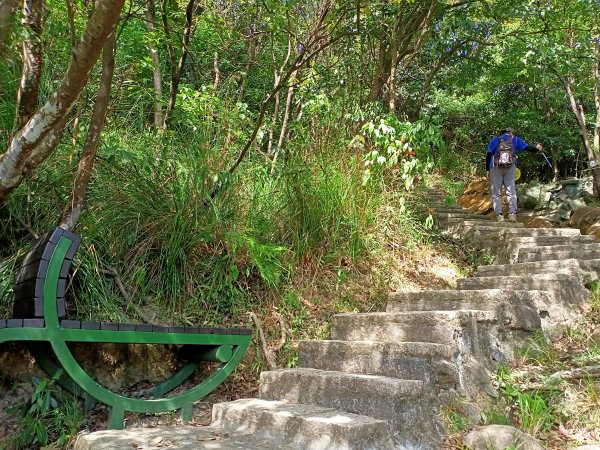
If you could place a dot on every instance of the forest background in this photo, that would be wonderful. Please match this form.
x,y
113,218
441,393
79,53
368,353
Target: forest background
x,y
232,156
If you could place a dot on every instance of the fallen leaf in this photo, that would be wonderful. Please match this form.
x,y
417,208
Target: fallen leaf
x,y
156,441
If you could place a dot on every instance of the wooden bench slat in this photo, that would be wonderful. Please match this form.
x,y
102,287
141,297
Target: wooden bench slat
x,y
30,307
71,324
37,269
39,252
34,323
87,325
35,288
2,323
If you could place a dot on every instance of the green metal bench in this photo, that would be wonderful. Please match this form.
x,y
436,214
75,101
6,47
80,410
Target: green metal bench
x,y
39,312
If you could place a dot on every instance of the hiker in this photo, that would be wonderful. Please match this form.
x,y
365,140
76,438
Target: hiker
x,y
500,165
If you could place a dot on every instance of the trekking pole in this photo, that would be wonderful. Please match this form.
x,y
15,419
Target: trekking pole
x,y
549,164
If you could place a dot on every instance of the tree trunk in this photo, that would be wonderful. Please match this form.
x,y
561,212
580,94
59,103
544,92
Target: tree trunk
x,y
176,74
597,96
380,72
43,124
157,75
286,119
217,72
580,117
86,163
8,8
33,60
250,63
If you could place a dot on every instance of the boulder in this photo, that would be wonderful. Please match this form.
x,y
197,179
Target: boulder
x,y
535,222
500,437
584,218
477,198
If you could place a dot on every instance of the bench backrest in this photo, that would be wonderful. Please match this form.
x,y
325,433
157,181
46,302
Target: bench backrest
x,y
28,294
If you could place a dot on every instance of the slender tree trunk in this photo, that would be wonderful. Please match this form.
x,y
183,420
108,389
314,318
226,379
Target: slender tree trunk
x,y
379,76
276,82
157,75
580,117
33,60
391,82
250,63
286,119
217,72
86,163
597,95
72,29
176,74
8,8
45,122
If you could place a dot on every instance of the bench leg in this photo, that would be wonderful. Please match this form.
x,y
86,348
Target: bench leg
x,y
187,412
116,418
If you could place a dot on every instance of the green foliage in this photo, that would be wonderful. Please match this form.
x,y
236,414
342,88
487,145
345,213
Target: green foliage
x,y
532,410
390,143
50,416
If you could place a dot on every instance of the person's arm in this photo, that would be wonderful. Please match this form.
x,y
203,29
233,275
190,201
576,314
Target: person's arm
x,y
490,153
522,145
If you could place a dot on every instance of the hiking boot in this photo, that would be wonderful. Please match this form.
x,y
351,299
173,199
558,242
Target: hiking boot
x,y
512,217
500,218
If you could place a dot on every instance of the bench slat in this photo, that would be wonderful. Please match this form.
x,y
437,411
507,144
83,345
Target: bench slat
x,y
37,269
30,307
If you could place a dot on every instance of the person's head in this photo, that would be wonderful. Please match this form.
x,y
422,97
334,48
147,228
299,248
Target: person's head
x,y
508,130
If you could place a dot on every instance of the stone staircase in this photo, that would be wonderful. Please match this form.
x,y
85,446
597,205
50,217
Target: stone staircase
x,y
380,381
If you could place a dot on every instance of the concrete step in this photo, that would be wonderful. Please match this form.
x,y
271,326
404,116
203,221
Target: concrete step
x,y
463,215
559,252
455,300
494,238
567,266
301,426
445,209
403,403
430,363
483,222
569,293
440,327
181,437
509,252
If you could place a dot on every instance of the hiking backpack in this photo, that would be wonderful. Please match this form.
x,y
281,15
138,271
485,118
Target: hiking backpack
x,y
504,157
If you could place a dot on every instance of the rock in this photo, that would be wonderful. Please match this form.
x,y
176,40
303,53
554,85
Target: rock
x,y
584,218
595,230
594,338
576,204
476,197
500,437
535,222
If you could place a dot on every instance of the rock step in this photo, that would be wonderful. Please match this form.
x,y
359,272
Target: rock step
x,y
462,215
301,426
569,293
430,363
182,437
441,327
402,402
454,300
509,252
495,238
559,252
571,267
537,232
483,223
443,209
545,241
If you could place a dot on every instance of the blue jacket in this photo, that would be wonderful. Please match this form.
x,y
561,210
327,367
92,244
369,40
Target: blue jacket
x,y
518,145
